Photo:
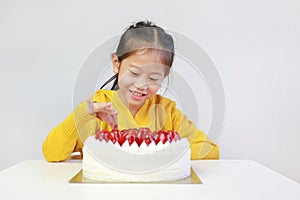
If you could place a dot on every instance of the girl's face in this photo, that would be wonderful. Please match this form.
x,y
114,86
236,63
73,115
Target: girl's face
x,y
140,77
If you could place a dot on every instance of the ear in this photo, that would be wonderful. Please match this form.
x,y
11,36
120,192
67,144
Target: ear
x,y
115,63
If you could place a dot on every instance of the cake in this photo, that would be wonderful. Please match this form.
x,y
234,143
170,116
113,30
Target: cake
x,y
136,155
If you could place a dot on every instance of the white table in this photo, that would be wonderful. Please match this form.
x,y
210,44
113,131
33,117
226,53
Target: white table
x,y
222,179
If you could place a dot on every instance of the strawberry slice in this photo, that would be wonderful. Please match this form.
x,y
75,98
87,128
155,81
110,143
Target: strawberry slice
x,y
130,139
144,135
164,137
148,139
102,135
131,135
138,140
139,136
155,137
121,137
144,131
97,136
132,131
113,135
174,136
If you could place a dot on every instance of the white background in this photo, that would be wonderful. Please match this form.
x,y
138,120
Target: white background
x,y
254,45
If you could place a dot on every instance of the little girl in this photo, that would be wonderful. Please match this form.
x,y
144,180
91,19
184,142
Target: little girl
x,y
143,59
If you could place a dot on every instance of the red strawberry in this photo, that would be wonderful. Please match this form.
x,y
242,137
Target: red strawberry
x,y
144,131
174,136
139,136
124,132
148,139
121,137
144,135
155,137
131,135
97,136
164,136
102,135
133,132
130,139
112,136
138,140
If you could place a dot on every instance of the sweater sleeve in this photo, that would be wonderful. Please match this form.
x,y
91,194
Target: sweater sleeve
x,y
201,146
63,139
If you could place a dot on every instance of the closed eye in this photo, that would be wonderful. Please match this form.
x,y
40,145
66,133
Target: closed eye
x,y
133,73
154,79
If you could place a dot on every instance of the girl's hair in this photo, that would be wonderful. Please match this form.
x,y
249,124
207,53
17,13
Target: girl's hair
x,y
144,36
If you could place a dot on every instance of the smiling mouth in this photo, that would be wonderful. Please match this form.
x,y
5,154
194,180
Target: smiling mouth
x,y
137,94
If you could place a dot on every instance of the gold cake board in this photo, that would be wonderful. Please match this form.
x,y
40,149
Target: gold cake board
x,y
192,179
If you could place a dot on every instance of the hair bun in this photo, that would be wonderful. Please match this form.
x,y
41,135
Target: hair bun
x,y
141,24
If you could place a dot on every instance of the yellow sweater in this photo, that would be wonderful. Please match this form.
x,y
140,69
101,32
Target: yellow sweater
x,y
158,113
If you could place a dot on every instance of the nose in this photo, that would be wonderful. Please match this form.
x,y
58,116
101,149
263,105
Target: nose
x,y
141,83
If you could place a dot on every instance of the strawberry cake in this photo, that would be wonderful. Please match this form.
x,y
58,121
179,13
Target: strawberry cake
x,y
136,155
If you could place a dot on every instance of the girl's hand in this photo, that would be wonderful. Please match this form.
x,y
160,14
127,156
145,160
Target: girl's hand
x,y
103,111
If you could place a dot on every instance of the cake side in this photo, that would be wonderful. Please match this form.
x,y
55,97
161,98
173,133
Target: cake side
x,y
136,155
95,170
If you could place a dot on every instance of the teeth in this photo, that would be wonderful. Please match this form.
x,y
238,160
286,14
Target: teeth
x,y
137,94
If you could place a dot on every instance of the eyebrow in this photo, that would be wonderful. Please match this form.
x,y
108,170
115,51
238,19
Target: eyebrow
x,y
151,72
134,66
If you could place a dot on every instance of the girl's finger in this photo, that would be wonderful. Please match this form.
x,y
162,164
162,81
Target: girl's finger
x,y
112,121
109,110
90,107
115,116
101,107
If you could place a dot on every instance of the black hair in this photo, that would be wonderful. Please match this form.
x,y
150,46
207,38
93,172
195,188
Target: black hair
x,y
141,36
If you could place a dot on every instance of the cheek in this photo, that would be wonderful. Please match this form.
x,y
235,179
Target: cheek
x,y
125,80
153,88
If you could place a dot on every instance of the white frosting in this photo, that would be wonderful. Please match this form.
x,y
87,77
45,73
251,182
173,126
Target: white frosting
x,y
96,170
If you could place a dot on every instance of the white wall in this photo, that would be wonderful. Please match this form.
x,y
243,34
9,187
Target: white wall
x,y
254,45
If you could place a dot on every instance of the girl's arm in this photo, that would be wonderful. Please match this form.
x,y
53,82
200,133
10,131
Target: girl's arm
x,y
201,146
64,139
